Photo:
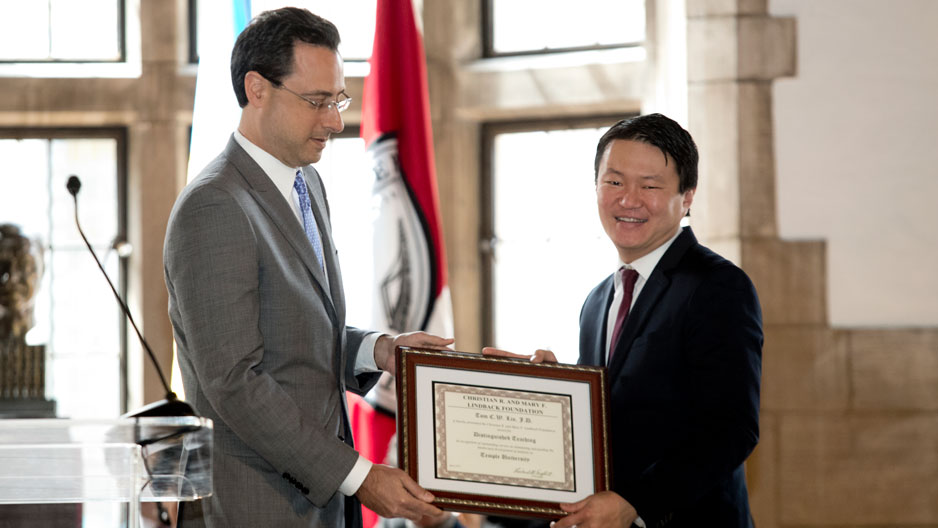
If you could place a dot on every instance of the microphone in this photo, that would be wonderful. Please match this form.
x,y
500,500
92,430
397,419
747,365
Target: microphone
x,y
170,405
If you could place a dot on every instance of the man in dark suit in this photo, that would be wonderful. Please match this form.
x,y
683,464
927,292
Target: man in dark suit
x,y
680,330
685,363
257,305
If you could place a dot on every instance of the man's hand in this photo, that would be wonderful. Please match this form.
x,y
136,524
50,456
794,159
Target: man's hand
x,y
540,356
606,509
385,346
391,493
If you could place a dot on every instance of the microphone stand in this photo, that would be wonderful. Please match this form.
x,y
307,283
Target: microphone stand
x,y
170,405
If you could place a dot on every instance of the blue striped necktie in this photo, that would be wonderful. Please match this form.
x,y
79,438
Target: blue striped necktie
x,y
309,221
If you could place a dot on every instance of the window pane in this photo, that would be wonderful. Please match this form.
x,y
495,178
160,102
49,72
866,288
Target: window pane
x,y
76,316
26,175
355,20
551,249
95,162
60,30
561,24
24,30
86,30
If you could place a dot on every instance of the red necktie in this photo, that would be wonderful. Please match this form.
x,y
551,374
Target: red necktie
x,y
629,276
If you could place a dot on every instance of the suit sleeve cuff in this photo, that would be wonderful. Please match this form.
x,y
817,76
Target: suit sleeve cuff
x,y
355,477
365,361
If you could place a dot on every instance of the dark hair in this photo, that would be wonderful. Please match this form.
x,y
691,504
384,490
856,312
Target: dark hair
x,y
659,131
266,45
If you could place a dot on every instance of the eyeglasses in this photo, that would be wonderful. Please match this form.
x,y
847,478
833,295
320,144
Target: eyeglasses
x,y
341,102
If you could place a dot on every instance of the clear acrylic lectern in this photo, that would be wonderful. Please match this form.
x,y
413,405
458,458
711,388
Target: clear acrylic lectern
x,y
129,459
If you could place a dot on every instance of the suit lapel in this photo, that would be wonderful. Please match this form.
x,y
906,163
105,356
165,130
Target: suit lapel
x,y
594,325
656,286
330,255
271,201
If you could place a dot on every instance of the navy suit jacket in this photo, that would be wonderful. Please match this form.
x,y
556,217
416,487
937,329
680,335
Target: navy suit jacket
x,y
684,387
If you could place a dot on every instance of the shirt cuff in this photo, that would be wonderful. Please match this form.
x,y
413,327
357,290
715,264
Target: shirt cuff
x,y
355,477
639,522
365,361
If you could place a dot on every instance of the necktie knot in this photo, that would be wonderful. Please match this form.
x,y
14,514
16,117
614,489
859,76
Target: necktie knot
x,y
629,277
300,185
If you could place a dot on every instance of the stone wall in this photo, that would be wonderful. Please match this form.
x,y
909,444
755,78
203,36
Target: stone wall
x,y
849,416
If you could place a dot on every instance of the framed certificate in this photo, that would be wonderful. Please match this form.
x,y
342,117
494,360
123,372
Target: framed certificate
x,y
496,435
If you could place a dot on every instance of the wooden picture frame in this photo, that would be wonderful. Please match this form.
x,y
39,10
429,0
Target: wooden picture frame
x,y
495,435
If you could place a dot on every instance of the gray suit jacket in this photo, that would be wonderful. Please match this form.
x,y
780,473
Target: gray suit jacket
x,y
263,347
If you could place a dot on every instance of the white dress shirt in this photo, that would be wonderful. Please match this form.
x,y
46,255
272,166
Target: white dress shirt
x,y
644,266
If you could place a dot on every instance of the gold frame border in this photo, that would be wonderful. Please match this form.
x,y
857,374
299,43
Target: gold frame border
x,y
405,441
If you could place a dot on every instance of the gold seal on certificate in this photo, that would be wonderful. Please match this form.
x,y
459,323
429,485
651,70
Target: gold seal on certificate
x,y
497,435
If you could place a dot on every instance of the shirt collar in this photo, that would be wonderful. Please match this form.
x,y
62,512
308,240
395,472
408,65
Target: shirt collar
x,y
280,174
646,264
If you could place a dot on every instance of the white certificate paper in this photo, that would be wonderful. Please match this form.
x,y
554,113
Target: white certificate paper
x,y
510,437
455,447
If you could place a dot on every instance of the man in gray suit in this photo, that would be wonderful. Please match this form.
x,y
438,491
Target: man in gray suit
x,y
256,300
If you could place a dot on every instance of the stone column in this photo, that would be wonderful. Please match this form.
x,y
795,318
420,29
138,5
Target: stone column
x,y
735,50
156,159
848,424
452,37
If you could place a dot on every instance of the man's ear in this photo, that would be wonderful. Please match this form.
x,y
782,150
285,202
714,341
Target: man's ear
x,y
256,88
688,200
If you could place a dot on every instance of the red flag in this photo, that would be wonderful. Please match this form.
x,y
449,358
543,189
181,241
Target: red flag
x,y
408,235
409,289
